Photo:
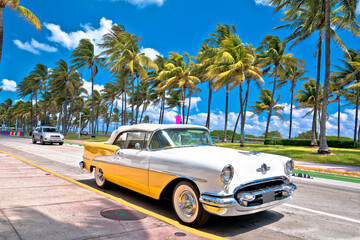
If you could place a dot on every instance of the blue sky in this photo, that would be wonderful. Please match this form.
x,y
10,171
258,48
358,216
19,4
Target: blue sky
x,y
164,25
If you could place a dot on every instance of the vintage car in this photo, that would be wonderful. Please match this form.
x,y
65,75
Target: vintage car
x,y
46,134
182,163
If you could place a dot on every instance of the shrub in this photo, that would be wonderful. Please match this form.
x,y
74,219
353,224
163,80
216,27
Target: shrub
x,y
307,142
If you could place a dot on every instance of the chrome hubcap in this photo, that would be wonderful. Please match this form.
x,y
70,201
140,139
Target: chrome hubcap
x,y
100,175
187,203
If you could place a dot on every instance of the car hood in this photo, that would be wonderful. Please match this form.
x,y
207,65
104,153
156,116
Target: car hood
x,y
245,163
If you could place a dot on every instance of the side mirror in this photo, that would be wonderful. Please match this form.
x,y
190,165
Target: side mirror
x,y
138,146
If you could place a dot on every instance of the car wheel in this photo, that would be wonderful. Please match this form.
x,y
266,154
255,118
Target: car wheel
x,y
42,141
186,205
61,143
100,178
33,140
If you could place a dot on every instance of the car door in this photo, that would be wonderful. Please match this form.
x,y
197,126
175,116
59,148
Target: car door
x,y
131,162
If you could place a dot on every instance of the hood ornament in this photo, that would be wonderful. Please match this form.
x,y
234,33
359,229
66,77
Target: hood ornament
x,y
263,169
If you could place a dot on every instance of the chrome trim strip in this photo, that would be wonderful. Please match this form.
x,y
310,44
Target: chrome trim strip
x,y
182,176
152,170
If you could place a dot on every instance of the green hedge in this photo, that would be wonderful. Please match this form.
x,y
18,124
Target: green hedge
x,y
307,142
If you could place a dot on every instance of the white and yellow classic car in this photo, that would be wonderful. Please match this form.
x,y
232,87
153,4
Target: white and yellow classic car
x,y
182,163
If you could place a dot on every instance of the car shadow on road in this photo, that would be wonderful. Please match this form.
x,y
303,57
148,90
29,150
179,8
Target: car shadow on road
x,y
220,226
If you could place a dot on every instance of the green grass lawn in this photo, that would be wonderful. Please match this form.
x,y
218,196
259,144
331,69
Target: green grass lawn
x,y
343,156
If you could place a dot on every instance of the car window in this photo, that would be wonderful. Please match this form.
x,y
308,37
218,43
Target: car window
x,y
50,130
129,139
179,138
37,129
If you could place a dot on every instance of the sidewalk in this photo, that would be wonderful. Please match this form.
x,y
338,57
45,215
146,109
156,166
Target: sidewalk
x,y
36,204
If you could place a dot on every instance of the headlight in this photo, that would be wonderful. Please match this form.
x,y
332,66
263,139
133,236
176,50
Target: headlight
x,y
45,135
227,174
289,167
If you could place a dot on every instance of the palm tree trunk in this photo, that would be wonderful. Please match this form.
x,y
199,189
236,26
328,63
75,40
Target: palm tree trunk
x,y
92,102
107,125
137,100
1,30
209,103
226,113
163,108
271,103
356,113
65,112
45,103
314,123
32,120
183,90
240,113
323,148
36,112
339,117
291,107
187,117
132,101
142,112
243,116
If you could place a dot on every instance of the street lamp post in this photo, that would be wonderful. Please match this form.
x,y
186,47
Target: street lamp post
x,y
80,125
181,110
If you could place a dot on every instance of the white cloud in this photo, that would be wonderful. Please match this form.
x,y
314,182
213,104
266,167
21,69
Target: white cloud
x,y
87,86
151,53
71,40
144,3
262,2
34,46
194,103
8,85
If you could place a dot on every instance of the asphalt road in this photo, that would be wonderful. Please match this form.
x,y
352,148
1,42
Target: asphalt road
x,y
320,209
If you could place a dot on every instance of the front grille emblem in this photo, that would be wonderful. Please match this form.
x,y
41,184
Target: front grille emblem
x,y
263,169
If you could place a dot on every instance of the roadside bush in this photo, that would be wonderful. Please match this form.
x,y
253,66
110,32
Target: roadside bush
x,y
307,142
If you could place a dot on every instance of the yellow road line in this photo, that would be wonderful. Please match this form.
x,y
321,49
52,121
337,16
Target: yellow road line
x,y
328,171
122,201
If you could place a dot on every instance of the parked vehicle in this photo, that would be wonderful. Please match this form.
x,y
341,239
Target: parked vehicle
x,y
182,163
83,132
46,134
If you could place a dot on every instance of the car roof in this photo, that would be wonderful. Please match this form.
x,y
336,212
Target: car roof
x,y
150,128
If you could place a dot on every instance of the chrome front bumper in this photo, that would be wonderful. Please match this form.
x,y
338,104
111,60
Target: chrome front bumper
x,y
247,202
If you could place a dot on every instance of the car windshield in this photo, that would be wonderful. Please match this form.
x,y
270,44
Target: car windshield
x,y
180,137
50,130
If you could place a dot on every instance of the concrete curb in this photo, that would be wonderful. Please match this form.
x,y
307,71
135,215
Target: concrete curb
x,y
315,169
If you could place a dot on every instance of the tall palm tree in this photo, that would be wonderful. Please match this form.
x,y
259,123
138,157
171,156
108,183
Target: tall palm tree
x,y
273,56
293,74
84,56
41,73
178,74
221,32
123,51
339,90
23,12
322,17
60,77
264,104
110,94
349,73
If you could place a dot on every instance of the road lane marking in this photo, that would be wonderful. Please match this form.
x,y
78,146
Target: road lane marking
x,y
323,213
126,203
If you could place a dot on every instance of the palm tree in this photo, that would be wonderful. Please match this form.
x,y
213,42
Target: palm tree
x,y
321,17
41,73
110,94
178,74
23,12
293,74
60,77
339,89
84,56
123,51
264,104
349,73
273,55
